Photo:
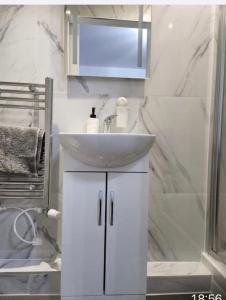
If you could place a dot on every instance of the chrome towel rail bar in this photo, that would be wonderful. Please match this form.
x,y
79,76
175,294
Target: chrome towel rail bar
x,y
22,106
22,99
36,97
7,83
21,92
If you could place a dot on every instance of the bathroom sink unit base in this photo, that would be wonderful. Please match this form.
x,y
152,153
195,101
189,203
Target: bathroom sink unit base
x,y
104,231
104,234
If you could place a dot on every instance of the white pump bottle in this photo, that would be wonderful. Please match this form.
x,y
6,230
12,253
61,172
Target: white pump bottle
x,y
122,113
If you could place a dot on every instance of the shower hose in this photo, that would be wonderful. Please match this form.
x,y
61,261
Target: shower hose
x,y
35,240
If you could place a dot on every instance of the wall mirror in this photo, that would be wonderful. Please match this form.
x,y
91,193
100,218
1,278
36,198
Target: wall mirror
x,y
108,41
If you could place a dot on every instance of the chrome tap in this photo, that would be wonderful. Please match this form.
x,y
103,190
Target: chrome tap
x,y
108,123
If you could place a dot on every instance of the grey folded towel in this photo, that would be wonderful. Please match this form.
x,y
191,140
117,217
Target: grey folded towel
x,y
20,150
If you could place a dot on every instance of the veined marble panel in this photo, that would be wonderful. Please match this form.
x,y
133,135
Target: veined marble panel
x,y
17,40
66,119
35,283
176,227
178,156
30,50
49,51
180,50
91,87
183,58
15,64
31,37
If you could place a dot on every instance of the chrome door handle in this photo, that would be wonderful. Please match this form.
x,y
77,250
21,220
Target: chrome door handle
x,y
99,214
112,198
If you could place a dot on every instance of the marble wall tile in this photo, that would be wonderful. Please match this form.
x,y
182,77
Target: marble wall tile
x,y
86,87
17,41
174,234
76,122
178,156
43,283
32,41
49,50
18,66
177,109
180,50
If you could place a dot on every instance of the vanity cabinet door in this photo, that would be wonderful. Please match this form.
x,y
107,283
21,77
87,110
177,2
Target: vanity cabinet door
x,y
126,247
83,234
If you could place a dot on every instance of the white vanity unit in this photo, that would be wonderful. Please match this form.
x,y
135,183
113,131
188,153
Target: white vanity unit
x,y
105,212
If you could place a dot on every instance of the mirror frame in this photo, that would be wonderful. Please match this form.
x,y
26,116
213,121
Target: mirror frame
x,y
72,45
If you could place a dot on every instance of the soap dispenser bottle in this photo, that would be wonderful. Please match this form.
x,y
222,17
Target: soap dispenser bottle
x,y
92,125
122,113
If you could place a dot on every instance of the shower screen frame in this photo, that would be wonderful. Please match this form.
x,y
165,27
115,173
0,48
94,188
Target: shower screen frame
x,y
213,224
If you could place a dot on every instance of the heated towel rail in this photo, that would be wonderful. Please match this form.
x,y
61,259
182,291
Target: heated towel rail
x,y
33,97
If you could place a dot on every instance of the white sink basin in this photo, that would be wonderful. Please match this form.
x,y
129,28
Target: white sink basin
x,y
106,149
